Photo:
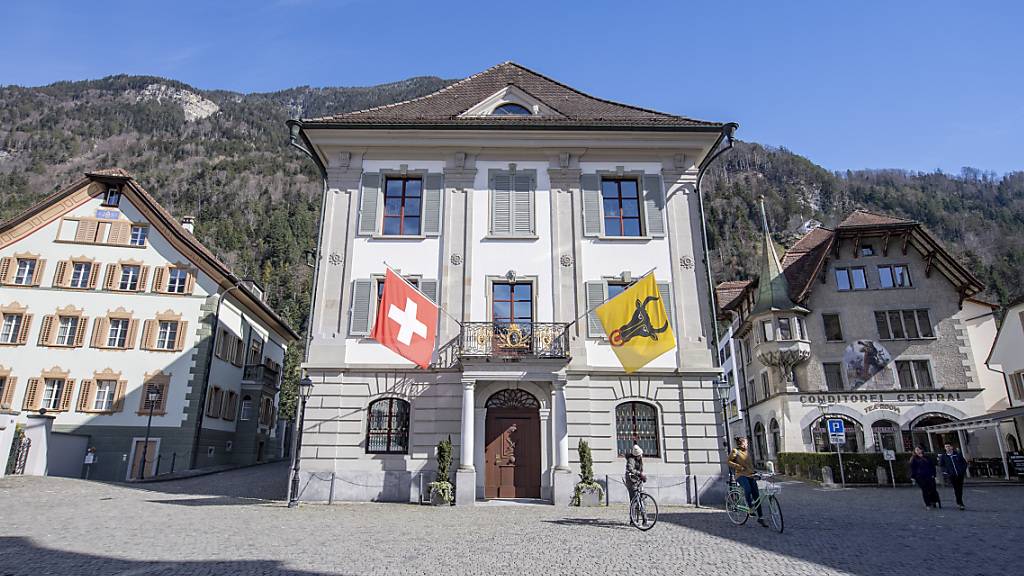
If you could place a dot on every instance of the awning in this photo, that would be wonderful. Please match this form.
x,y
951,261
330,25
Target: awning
x,y
984,421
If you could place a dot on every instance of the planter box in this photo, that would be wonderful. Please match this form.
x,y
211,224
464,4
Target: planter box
x,y
590,498
437,500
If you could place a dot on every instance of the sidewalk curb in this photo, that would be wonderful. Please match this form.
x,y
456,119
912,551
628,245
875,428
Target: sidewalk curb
x,y
197,472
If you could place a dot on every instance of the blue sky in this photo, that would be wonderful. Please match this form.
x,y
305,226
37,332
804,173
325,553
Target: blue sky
x,y
867,84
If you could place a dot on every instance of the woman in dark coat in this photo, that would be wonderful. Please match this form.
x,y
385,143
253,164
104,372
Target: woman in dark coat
x,y
922,470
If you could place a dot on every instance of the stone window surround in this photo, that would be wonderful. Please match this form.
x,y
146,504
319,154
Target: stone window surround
x,y
157,378
491,280
89,389
66,269
7,392
112,281
10,271
101,329
366,423
659,437
49,340
32,402
621,174
161,278
15,308
151,328
402,172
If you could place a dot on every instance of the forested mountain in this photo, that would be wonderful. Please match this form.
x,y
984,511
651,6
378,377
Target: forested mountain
x,y
223,157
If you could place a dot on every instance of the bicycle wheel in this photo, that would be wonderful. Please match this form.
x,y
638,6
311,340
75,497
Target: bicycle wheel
x,y
733,500
775,514
643,512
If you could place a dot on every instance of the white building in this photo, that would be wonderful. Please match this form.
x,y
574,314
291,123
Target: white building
x,y
517,203
1006,357
105,298
873,323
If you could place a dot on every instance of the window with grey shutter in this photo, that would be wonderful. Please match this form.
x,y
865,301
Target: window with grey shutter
x,y
654,205
369,204
665,289
522,203
433,184
359,320
501,203
512,202
429,287
591,185
595,296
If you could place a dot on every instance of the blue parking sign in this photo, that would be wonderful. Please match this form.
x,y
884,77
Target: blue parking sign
x,y
836,426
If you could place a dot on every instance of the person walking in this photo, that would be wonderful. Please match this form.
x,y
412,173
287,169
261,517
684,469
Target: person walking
x,y
922,470
954,467
739,462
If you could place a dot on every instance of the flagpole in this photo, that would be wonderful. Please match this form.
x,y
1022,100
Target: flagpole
x,y
598,305
439,307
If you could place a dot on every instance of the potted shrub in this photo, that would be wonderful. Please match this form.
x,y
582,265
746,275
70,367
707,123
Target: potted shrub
x,y
587,492
442,493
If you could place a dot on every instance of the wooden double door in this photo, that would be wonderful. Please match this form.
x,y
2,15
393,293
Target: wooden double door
x,y
512,454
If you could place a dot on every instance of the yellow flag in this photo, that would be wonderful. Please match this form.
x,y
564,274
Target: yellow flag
x,y
637,324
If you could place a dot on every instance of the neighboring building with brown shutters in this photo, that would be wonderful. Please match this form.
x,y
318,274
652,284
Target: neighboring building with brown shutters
x,y
517,203
104,297
873,323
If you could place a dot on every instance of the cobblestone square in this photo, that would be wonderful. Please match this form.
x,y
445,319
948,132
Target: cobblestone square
x,y
234,523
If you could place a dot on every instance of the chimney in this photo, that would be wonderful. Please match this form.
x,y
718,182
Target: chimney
x,y
189,224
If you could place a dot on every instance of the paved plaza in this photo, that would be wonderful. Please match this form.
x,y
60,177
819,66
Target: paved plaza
x,y
231,523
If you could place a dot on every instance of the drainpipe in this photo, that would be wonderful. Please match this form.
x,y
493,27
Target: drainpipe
x,y
727,134
299,140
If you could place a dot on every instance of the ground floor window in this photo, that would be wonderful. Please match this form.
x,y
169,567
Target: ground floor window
x,y
387,430
854,434
760,443
887,436
933,441
636,422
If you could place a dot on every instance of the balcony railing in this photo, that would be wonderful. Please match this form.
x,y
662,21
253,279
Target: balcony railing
x,y
261,374
512,340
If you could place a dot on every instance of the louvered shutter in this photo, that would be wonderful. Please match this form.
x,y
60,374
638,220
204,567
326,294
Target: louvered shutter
x,y
85,393
159,279
359,320
94,274
118,405
133,330
120,233
46,330
433,185
595,295
87,231
60,275
26,324
100,329
143,276
7,398
654,205
429,287
591,185
522,204
501,204
66,395
179,341
37,277
5,269
32,394
369,204
190,281
148,335
110,280
79,341
665,289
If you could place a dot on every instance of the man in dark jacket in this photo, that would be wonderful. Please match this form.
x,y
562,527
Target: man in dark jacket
x,y
634,470
954,467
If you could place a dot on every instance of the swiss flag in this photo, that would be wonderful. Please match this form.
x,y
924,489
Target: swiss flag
x,y
406,321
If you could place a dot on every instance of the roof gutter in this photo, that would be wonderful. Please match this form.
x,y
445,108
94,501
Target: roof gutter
x,y
510,126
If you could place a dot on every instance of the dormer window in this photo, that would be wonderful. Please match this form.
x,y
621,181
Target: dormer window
x,y
511,109
112,197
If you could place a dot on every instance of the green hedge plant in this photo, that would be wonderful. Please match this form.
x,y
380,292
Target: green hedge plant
x,y
441,490
858,468
586,483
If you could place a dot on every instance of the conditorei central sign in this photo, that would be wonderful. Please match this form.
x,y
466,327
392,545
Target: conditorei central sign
x,y
887,398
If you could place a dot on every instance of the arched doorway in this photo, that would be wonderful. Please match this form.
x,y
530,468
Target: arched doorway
x,y
887,436
512,445
854,434
760,443
933,441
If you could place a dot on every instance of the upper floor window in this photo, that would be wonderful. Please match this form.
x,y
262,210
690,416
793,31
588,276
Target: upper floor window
x,y
246,411
851,279
621,203
833,376
129,277
52,392
167,335
512,303
765,385
914,374
112,197
768,330
139,235
26,271
117,334
833,327
903,324
867,250
105,391
10,330
156,385
402,206
81,272
1017,385
387,427
511,109
636,423
177,278
67,330
895,276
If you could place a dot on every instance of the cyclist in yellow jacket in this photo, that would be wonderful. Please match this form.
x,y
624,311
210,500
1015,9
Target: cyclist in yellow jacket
x,y
740,463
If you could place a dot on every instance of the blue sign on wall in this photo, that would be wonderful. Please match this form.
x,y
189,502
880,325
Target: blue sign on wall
x,y
836,426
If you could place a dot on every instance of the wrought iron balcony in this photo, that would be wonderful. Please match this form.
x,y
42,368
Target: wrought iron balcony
x,y
511,340
260,374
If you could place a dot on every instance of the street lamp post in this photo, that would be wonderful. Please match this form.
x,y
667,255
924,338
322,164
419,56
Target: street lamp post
x,y
722,386
305,389
152,396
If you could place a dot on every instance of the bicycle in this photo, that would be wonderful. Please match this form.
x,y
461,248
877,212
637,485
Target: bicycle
x,y
643,508
736,502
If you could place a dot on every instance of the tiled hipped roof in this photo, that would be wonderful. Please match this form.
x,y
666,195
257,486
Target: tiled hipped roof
x,y
570,107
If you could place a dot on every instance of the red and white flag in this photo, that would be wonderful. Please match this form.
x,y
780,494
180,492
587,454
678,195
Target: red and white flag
x,y
406,321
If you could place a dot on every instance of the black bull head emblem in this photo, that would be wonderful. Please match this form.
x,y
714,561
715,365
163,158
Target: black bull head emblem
x,y
638,326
